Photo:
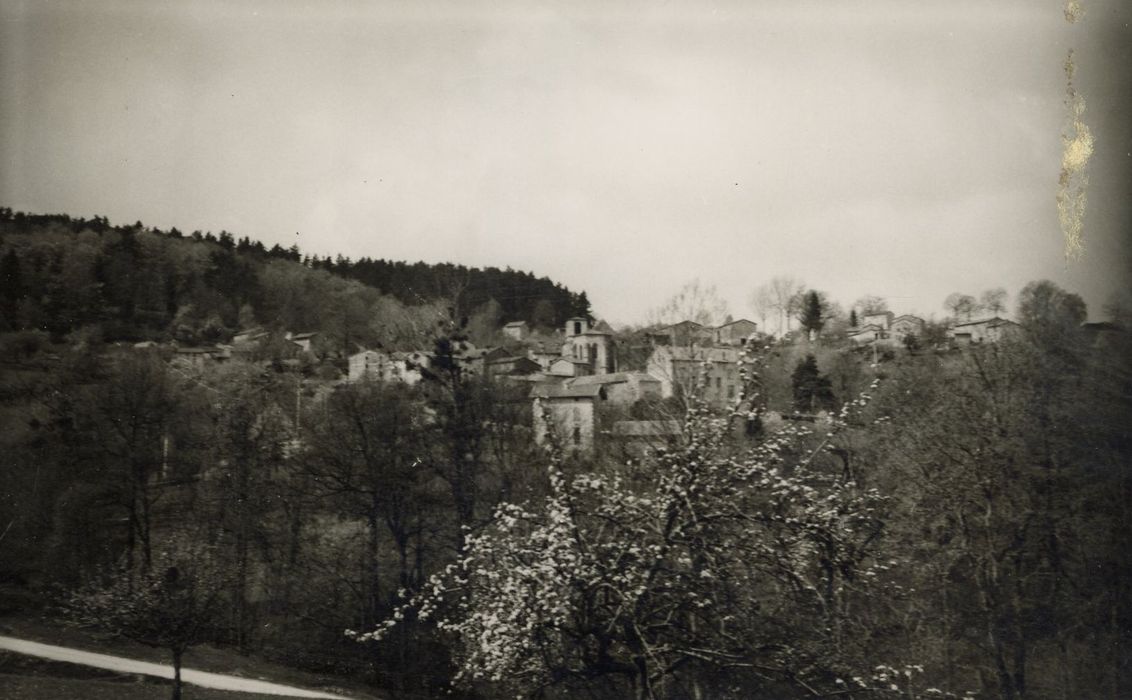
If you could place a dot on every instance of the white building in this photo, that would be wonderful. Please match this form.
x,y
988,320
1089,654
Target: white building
x,y
622,387
713,372
567,413
378,366
517,330
593,346
987,330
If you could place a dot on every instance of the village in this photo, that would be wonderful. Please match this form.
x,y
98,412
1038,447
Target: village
x,y
579,388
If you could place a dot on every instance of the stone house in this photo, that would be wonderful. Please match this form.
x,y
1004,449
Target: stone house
x,y
869,333
512,366
303,340
681,370
568,413
987,330
682,334
735,332
378,366
474,360
517,330
544,351
883,319
904,326
367,364
198,358
569,367
622,387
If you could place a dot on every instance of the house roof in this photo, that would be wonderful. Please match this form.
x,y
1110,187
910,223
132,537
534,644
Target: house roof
x,y
681,353
303,336
614,378
562,391
865,328
739,320
510,358
678,324
515,324
910,317
1098,326
572,361
995,321
600,328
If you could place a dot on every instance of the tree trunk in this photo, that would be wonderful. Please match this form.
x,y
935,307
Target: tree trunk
x,y
373,582
177,653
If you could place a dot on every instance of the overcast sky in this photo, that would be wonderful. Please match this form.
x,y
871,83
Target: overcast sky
x,y
902,149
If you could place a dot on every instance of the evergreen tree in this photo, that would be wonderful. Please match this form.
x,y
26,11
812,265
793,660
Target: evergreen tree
x,y
811,316
812,390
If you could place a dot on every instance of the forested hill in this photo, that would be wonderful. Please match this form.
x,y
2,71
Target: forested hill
x,y
59,274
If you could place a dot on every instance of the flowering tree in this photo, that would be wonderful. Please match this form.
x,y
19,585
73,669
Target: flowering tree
x,y
709,569
175,604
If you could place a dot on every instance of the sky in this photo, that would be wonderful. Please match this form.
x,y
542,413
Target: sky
x,y
906,150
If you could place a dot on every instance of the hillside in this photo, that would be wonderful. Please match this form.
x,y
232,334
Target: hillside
x,y
60,274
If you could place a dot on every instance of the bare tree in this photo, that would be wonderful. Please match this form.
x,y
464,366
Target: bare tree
x,y
994,300
871,304
694,302
961,306
762,303
785,293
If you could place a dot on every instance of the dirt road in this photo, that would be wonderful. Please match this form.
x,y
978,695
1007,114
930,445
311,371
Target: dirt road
x,y
124,665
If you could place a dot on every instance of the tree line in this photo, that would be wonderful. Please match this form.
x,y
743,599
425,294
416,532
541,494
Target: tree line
x,y
60,274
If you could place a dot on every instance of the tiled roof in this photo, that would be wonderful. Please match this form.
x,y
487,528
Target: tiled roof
x,y
614,378
682,353
562,391
510,358
996,321
572,361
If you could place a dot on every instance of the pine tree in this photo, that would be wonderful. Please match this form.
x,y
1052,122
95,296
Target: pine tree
x,y
811,316
812,391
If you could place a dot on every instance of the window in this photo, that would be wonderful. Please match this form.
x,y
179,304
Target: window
x,y
730,391
577,327
577,436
